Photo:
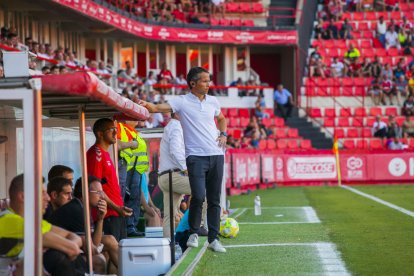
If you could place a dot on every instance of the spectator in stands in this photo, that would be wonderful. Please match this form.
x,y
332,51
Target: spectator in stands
x,y
408,106
376,67
387,71
401,88
332,30
393,130
337,68
54,70
59,190
351,54
218,7
404,38
399,70
61,248
283,101
391,39
102,68
354,68
165,77
149,123
379,129
99,164
395,144
259,108
376,90
180,80
388,5
60,170
150,81
12,40
408,127
335,9
320,32
45,70
387,89
346,30
366,68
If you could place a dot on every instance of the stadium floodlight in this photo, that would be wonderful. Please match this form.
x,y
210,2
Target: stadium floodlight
x,y
15,64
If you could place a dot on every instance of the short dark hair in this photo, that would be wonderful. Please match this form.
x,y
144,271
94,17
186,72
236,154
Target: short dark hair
x,y
77,192
56,184
16,186
101,124
58,170
11,35
193,74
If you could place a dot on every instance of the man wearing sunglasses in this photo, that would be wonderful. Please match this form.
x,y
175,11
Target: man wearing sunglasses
x,y
100,165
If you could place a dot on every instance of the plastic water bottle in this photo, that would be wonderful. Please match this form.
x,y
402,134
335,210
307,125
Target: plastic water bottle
x,y
257,206
178,252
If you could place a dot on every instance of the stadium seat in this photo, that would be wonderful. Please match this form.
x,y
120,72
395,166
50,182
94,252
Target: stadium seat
x,y
262,144
248,23
234,122
360,112
393,52
279,122
292,144
244,112
363,26
345,112
375,111
358,16
271,144
306,144
366,133
362,144
257,7
370,121
400,120
267,122
396,15
233,112
232,7
343,122
352,133
315,112
330,112
237,133
391,111
329,122
371,16
235,22
293,133
224,112
280,133
368,52
375,144
281,144
339,133
381,52
411,143
245,8
214,22
225,22
357,122
349,144
360,81
347,81
244,122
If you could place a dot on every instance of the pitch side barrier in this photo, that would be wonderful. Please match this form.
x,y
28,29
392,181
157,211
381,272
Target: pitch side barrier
x,y
251,169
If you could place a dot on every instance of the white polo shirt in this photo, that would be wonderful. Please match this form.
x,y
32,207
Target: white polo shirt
x,y
197,120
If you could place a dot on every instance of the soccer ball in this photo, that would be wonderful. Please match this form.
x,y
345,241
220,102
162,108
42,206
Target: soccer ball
x,y
229,228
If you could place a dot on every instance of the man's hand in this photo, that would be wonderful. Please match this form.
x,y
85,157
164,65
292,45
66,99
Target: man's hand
x,y
133,144
151,107
222,140
102,209
124,211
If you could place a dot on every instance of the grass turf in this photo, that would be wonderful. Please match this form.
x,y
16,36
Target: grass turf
x,y
371,238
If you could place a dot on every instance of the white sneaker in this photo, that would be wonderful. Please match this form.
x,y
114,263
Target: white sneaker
x,y
217,247
193,240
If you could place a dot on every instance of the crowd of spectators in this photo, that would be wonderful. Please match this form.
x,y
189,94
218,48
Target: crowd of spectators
x,y
392,132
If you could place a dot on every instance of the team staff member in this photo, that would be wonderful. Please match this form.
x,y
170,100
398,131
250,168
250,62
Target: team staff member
x,y
204,148
100,165
134,157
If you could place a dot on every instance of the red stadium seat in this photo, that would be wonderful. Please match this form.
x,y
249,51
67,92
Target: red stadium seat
x,y
370,121
244,122
375,144
214,22
237,133
329,122
360,112
293,133
343,122
279,122
235,22
358,16
404,6
292,144
352,133
339,133
248,23
281,144
368,53
234,122
232,7
330,112
391,111
244,112
375,111
225,22
345,112
363,26
400,120
393,52
357,122
245,8
306,144
258,7
367,34
271,144
346,15
396,15
371,16
366,132
411,143
267,122
349,144
262,144
280,133
362,144
360,81
347,82
315,112
233,112
224,111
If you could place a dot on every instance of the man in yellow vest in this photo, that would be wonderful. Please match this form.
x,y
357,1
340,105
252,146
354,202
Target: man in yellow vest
x,y
133,161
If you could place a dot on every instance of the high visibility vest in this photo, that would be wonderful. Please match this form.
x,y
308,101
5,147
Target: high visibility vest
x,y
9,246
138,156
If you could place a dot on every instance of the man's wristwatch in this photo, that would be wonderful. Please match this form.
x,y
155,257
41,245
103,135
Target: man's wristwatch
x,y
223,133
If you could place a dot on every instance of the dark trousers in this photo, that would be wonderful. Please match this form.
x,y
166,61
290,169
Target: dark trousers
x,y
57,263
284,109
206,175
133,198
115,226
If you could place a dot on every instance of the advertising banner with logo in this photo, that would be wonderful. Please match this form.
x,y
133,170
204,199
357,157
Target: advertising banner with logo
x,y
246,169
227,170
268,168
126,24
317,167
353,167
393,167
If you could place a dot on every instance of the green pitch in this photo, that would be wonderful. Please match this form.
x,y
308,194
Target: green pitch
x,y
315,231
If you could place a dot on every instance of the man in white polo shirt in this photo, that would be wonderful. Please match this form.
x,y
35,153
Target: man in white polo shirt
x,y
204,150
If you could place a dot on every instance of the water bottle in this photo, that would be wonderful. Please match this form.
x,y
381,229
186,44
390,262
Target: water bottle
x,y
178,252
257,206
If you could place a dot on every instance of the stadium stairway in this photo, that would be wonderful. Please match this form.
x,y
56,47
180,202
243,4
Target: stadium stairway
x,y
282,16
308,131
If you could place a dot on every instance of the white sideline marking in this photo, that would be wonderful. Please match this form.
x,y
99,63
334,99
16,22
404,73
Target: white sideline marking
x,y
277,222
383,202
331,261
190,269
241,213
311,215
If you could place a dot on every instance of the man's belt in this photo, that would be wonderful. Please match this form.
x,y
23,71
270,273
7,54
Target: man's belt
x,y
167,171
